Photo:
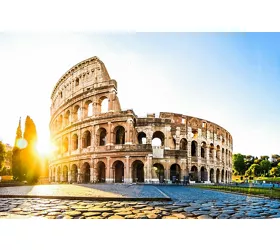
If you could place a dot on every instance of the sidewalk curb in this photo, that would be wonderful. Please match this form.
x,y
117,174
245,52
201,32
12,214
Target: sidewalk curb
x,y
166,198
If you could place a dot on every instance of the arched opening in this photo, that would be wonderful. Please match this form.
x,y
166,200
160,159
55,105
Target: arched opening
x,y
158,139
183,144
194,148
77,82
60,121
218,175
104,105
67,118
211,152
142,138
53,174
203,148
119,132
222,175
118,167
218,152
223,154
158,172
77,113
65,144
74,173
75,142
58,174
85,173
88,108
101,172
212,179
194,133
175,173
86,139
194,174
65,174
102,136
203,174
226,179
138,171
226,156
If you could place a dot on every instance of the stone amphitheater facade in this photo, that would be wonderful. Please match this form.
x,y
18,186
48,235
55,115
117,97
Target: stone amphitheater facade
x,y
97,141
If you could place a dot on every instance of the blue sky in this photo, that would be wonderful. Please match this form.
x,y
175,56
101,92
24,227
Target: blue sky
x,y
231,79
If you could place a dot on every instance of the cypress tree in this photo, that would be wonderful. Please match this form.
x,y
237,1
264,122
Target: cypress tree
x,y
16,155
31,161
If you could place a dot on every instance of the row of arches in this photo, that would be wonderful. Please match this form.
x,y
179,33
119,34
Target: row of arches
x,y
118,137
79,112
158,173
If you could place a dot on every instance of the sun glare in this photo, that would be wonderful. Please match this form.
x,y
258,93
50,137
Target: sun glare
x,y
45,147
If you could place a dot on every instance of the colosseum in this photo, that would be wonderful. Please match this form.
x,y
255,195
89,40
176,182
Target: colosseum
x,y
97,141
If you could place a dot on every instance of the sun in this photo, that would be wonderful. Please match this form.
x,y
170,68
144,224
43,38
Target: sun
x,y
45,147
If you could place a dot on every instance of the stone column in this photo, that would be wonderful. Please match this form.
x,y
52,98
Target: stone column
x,y
69,175
149,163
199,173
50,174
215,175
128,129
110,173
208,175
167,174
109,137
91,174
79,175
127,178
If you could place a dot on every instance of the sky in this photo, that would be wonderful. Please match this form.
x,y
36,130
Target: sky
x,y
231,79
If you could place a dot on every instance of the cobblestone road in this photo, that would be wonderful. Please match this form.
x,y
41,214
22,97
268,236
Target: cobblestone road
x,y
188,203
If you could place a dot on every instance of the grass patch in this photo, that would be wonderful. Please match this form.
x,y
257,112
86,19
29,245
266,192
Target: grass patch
x,y
267,192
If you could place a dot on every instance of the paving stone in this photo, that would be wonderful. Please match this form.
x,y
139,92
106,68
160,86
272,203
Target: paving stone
x,y
53,214
73,213
88,214
223,216
180,216
95,217
152,216
204,216
116,217
170,217
130,216
139,206
15,210
190,209
200,213
100,209
124,213
50,217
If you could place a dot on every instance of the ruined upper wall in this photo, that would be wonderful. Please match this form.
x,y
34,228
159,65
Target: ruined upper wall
x,y
90,74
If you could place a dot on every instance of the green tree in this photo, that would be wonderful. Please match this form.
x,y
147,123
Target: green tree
x,y
265,166
16,155
275,171
254,170
30,159
2,154
238,163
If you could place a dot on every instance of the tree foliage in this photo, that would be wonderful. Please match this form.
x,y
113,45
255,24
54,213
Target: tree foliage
x,y
2,154
16,160
25,161
30,160
239,163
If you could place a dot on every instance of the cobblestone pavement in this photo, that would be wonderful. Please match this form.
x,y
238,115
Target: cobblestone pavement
x,y
188,203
